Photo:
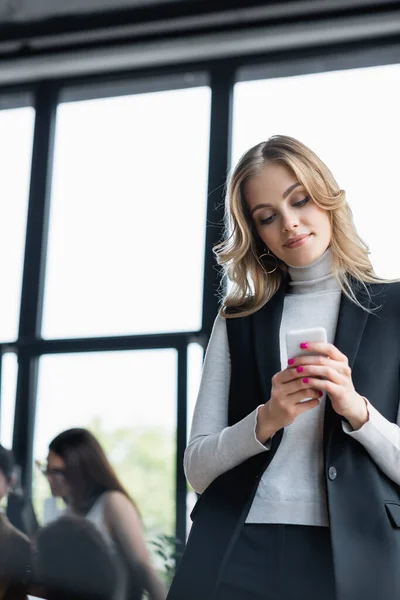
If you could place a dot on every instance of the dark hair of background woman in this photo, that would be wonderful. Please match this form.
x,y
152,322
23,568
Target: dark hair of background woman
x,y
73,562
87,469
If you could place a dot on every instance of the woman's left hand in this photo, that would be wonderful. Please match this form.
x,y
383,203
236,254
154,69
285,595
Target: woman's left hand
x,y
331,374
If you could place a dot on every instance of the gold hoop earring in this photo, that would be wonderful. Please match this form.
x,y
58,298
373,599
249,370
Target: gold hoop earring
x,y
268,253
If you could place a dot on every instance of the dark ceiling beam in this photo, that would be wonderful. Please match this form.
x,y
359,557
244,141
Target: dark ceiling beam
x,y
191,50
145,22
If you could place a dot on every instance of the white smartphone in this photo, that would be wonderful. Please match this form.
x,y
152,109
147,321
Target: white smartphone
x,y
296,336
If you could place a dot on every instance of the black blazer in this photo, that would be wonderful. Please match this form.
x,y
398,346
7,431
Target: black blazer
x,y
363,503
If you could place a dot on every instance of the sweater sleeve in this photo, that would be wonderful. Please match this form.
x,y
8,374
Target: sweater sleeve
x,y
381,439
214,447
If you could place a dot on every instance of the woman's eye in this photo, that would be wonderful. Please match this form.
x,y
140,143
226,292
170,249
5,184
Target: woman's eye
x,y
267,220
271,218
302,202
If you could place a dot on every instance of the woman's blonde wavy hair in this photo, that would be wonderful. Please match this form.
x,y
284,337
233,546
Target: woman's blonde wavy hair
x,y
238,253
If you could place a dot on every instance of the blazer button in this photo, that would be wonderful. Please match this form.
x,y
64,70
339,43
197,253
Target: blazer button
x,y
332,473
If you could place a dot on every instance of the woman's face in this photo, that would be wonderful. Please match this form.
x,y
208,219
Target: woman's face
x,y
290,224
56,475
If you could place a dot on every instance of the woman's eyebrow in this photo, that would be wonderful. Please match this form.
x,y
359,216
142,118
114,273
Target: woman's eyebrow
x,y
290,189
263,205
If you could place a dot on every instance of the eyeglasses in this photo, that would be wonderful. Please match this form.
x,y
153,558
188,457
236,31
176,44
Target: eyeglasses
x,y
47,472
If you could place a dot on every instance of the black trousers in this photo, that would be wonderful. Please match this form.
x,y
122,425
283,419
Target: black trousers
x,y
279,562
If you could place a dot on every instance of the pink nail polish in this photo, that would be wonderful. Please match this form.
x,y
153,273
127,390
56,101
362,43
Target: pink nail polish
x,y
290,361
305,380
304,345
320,394
299,369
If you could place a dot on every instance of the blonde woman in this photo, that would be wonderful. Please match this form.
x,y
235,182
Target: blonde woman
x,y
299,499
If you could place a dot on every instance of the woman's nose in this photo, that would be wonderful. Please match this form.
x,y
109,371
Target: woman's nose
x,y
290,222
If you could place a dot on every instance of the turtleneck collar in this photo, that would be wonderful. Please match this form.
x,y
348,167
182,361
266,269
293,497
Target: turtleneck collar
x,y
314,278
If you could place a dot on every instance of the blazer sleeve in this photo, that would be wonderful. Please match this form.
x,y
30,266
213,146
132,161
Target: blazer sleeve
x,y
214,447
381,439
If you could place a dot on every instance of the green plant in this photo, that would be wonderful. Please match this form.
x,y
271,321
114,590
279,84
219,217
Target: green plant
x,y
168,551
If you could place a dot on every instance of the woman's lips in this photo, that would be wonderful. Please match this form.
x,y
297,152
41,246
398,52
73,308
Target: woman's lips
x,y
300,241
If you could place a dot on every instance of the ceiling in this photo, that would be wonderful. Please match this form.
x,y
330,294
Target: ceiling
x,y
25,11
50,38
33,10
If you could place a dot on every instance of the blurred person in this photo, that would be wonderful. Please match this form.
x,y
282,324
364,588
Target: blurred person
x,y
73,562
14,545
79,472
296,458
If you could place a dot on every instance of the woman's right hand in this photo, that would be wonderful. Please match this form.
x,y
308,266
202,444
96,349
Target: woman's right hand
x,y
284,406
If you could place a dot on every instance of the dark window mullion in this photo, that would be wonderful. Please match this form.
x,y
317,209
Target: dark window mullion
x,y
181,436
222,79
37,347
33,276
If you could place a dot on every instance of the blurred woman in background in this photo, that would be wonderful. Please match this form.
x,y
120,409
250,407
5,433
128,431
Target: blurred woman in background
x,y
79,472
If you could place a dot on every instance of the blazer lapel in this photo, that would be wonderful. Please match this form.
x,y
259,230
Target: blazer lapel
x,y
266,325
350,327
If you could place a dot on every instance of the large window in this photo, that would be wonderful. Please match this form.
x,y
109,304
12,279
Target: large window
x,y
125,257
127,226
128,400
16,132
350,119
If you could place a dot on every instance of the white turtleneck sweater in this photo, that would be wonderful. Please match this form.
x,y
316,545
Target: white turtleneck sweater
x,y
292,489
